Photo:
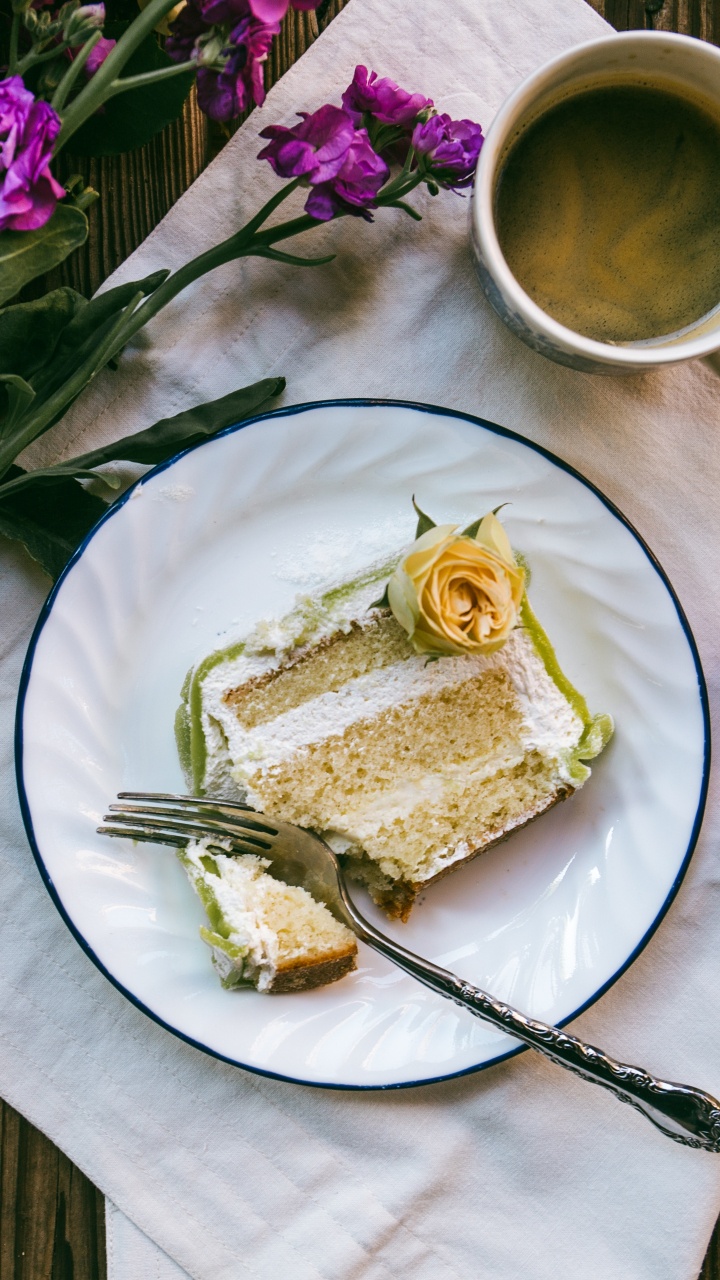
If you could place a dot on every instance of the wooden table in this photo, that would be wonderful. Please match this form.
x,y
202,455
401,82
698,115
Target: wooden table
x,y
52,1224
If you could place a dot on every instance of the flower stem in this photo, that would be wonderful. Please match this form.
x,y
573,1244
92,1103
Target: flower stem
x,y
149,77
240,245
60,96
96,90
14,38
395,191
32,59
407,208
252,226
243,243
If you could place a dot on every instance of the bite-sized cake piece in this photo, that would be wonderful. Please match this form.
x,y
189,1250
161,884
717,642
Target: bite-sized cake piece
x,y
264,933
411,739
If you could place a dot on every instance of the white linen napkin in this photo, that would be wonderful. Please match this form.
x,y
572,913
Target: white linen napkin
x,y
521,1170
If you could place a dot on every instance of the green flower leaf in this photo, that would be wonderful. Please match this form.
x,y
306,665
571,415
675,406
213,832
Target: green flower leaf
x,y
424,522
407,208
33,334
383,602
30,331
51,513
87,319
472,529
27,254
131,119
170,435
18,395
50,521
291,259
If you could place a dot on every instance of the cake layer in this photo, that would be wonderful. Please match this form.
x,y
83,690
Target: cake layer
x,y
410,783
263,932
549,722
406,765
325,669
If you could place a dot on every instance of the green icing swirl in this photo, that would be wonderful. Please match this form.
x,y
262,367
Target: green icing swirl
x,y
597,729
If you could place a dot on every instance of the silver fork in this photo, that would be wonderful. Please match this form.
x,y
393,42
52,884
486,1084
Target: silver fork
x,y
298,857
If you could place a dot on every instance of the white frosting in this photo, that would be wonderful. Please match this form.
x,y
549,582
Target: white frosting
x,y
233,891
309,622
550,725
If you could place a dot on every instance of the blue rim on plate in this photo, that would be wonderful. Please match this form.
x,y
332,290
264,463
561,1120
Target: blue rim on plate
x,y
291,411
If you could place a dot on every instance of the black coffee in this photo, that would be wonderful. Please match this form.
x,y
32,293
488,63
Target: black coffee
x,y
608,212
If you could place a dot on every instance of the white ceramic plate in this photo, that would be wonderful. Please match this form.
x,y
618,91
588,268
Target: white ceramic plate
x,y
229,532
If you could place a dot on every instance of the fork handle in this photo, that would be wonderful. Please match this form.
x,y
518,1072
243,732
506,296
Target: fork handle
x,y
688,1115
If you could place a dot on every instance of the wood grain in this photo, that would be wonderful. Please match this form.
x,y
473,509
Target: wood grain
x,y
52,1220
51,1217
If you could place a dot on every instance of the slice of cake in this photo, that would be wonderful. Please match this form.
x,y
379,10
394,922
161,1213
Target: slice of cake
x,y
264,933
413,731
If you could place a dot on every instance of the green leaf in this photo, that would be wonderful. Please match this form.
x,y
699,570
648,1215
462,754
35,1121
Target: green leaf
x,y
407,208
278,256
30,331
51,513
157,443
52,475
383,602
84,330
49,522
103,306
424,522
472,529
27,254
18,395
130,119
170,435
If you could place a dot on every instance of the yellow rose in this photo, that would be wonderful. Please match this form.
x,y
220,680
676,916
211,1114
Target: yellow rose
x,y
455,594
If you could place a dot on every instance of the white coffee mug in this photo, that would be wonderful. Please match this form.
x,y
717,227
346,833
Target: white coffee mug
x,y
633,56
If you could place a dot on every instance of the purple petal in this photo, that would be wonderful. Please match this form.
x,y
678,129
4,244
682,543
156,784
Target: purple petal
x,y
451,149
98,54
322,203
383,99
269,10
314,149
28,129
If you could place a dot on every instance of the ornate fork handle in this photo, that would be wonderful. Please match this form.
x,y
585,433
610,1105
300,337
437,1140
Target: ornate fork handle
x,y
684,1113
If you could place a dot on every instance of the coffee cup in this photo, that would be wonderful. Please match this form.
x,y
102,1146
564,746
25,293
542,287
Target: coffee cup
x,y
582,292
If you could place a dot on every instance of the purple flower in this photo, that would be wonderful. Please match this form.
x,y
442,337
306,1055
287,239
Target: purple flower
x,y
384,100
450,149
275,10
355,186
223,95
92,15
227,89
28,129
98,54
185,32
315,149
233,79
332,157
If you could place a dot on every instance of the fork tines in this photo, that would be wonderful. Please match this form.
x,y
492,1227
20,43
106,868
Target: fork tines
x,y
176,819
